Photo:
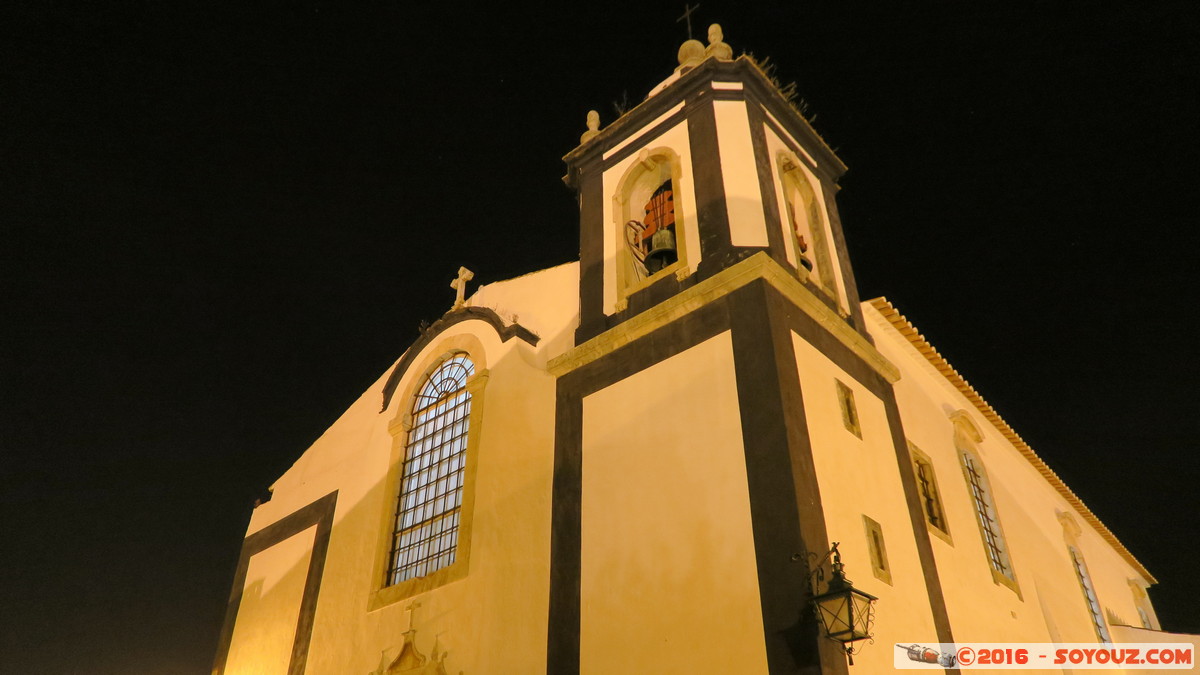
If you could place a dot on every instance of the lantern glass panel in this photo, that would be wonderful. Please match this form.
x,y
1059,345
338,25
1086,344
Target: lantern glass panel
x,y
862,614
837,614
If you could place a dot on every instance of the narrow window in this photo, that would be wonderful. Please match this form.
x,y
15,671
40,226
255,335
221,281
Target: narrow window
x,y
1140,601
425,537
929,495
1145,618
849,411
927,490
1089,594
879,561
986,513
967,437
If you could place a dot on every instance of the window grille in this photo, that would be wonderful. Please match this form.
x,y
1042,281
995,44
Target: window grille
x,y
929,494
425,537
987,519
1089,594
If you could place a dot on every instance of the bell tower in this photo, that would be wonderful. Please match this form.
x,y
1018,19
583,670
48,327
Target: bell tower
x,y
712,167
719,328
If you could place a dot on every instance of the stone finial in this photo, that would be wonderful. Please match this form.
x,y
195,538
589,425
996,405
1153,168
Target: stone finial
x,y
593,127
460,286
716,44
691,53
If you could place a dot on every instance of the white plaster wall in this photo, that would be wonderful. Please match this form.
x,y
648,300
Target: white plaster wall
x,y
980,609
739,173
634,136
668,580
1127,634
675,138
795,143
495,618
1111,576
542,301
861,476
1050,605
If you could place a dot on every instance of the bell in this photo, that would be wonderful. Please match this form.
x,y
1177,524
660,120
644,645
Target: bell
x,y
662,250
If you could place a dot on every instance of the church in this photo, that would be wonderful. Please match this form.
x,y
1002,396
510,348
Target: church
x,y
694,450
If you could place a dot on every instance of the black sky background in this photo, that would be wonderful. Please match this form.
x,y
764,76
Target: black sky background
x,y
222,222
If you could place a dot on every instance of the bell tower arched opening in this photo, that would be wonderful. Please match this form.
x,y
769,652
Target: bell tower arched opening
x,y
807,240
649,221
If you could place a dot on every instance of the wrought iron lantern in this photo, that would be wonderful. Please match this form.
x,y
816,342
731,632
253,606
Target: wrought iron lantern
x,y
845,613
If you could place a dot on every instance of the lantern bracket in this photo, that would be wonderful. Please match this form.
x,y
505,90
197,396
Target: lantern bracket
x,y
844,613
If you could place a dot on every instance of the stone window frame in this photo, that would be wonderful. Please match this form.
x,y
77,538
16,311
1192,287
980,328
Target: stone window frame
x,y
967,438
648,160
877,550
850,417
1141,602
919,458
793,178
1071,534
384,593
1091,598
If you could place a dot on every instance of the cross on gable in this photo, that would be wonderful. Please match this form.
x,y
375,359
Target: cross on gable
x,y
412,608
460,285
687,16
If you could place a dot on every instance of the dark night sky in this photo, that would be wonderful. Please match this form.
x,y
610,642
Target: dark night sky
x,y
222,223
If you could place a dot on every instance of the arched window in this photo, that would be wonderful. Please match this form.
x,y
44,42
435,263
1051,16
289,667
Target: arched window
x,y
1071,535
966,439
985,510
428,512
1142,603
805,225
1089,594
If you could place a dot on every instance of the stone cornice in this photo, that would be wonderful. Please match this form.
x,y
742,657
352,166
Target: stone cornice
x,y
758,266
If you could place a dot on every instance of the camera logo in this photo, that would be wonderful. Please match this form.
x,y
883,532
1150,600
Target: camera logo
x,y
922,654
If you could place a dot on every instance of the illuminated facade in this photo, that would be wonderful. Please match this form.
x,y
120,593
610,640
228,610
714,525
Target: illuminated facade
x,y
629,464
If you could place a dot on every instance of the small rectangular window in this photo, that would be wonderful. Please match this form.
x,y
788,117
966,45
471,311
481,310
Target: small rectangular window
x,y
849,411
928,492
879,560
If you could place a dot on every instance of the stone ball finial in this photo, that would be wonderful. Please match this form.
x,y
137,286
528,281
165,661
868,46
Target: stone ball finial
x,y
593,127
716,44
691,53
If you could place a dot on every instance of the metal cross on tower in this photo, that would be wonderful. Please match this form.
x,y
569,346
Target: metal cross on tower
x,y
687,16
